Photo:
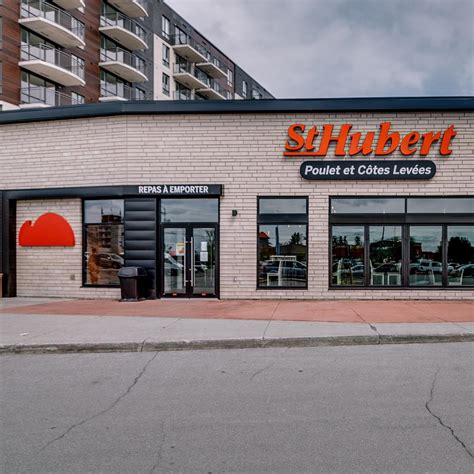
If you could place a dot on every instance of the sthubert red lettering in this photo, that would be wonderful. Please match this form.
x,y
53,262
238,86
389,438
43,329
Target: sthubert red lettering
x,y
318,141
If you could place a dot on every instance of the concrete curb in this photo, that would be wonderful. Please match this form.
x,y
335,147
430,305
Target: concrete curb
x,y
252,343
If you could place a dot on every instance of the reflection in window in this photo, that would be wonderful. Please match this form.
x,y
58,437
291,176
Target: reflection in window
x,y
189,210
282,251
426,268
461,255
367,206
348,255
385,255
440,205
282,206
104,254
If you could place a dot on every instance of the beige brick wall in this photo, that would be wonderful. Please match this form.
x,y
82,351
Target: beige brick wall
x,y
54,271
242,152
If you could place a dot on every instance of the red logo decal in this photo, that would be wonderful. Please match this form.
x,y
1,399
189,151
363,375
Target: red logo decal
x,y
49,230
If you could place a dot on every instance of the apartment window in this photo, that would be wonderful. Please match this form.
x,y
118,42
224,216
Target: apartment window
x,y
256,94
36,90
230,77
244,89
103,237
282,242
402,242
166,55
166,84
77,98
139,94
165,27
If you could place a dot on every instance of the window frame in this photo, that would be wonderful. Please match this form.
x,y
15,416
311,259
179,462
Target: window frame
x,y
405,221
165,60
165,20
163,83
291,219
84,240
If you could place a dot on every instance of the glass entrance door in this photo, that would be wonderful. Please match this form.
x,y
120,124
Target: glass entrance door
x,y
189,265
203,264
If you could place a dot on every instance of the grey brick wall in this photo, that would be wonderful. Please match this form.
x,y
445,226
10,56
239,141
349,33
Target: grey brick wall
x,y
242,152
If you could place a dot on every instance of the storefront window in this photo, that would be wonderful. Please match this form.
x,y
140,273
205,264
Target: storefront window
x,y
104,254
282,243
385,255
440,205
409,242
189,210
368,206
426,268
460,255
348,255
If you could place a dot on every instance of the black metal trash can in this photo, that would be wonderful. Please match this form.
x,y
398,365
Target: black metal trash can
x,y
133,283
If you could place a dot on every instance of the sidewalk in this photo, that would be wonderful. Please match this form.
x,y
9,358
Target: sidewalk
x,y
45,325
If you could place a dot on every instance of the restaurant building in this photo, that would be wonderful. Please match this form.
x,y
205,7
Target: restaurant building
x,y
295,199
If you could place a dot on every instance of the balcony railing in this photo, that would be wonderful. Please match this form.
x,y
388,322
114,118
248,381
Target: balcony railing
x,y
123,91
38,95
185,45
183,94
53,56
188,68
119,20
125,57
43,9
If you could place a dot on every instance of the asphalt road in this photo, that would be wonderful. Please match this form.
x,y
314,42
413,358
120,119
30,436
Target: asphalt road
x,y
334,409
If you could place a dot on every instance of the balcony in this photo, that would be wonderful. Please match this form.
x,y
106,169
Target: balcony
x,y
124,64
213,91
70,4
131,8
186,47
123,30
190,77
58,66
53,23
119,92
183,94
214,67
38,96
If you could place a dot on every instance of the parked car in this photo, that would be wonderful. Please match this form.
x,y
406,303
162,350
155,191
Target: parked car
x,y
466,270
358,270
387,268
109,260
430,265
291,269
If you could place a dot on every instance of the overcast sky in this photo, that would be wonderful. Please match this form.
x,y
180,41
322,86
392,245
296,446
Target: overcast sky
x,y
342,48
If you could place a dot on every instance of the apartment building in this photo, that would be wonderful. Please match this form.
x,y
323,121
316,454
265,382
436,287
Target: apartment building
x,y
68,52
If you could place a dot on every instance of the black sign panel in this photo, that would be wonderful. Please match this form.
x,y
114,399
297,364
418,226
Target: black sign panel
x,y
174,190
367,170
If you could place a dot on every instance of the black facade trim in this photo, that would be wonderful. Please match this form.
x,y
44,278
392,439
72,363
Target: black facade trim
x,y
92,192
356,104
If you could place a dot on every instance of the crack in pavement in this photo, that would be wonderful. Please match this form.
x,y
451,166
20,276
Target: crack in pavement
x,y
454,323
270,320
267,366
371,326
438,418
105,410
160,449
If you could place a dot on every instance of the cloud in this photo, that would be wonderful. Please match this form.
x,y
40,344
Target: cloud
x,y
49,230
343,48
